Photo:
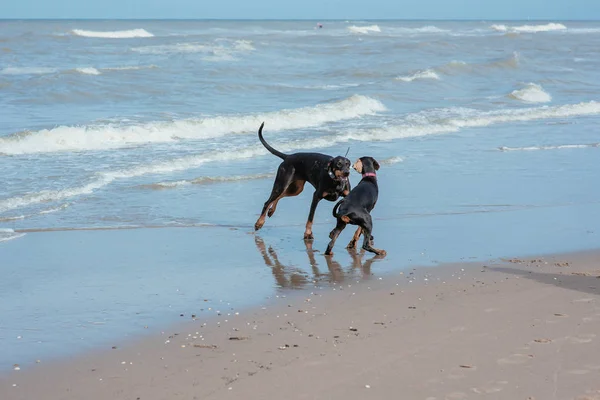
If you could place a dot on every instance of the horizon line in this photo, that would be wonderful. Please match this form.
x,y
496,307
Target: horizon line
x,y
300,19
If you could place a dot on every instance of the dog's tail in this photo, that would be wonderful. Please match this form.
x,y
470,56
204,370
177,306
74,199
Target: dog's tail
x,y
268,146
335,208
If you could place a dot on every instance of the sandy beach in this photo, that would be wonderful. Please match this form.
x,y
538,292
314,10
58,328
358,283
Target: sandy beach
x,y
504,329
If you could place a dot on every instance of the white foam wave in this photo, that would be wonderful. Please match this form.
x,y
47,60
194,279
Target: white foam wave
x,y
437,123
219,50
421,30
205,180
531,93
391,160
9,234
557,147
110,136
132,33
441,123
364,30
88,71
529,28
426,74
27,71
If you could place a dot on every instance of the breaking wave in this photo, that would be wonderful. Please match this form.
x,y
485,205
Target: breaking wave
x,y
557,147
219,50
111,136
426,74
433,122
88,71
531,93
9,234
364,30
133,33
529,28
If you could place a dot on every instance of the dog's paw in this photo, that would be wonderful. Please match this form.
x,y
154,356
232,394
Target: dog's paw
x,y
381,253
351,245
308,236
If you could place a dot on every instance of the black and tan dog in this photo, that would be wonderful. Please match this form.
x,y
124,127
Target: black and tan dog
x,y
356,207
328,175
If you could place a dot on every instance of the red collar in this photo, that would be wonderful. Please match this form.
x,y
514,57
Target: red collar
x,y
373,174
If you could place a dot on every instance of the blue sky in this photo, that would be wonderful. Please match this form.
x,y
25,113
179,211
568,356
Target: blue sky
x,y
304,9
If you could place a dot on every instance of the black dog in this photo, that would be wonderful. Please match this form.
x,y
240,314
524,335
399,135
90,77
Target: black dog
x,y
327,174
356,207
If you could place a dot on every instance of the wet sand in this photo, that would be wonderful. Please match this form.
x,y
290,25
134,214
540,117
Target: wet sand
x,y
508,329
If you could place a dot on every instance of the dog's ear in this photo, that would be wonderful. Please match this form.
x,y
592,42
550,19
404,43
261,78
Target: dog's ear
x,y
375,164
358,166
329,165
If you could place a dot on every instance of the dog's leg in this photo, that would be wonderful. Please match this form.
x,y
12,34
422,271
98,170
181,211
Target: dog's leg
x,y
317,196
352,244
282,181
339,227
294,189
367,228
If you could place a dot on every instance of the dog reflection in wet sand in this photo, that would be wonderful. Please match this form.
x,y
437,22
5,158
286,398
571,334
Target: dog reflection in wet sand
x,y
296,278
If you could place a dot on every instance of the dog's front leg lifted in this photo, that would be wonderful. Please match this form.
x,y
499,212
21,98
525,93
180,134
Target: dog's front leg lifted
x,y
313,206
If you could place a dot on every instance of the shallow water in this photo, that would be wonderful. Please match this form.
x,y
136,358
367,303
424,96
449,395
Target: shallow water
x,y
487,133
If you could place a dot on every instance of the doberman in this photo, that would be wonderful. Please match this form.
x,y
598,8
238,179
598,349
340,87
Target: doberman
x,y
356,207
328,175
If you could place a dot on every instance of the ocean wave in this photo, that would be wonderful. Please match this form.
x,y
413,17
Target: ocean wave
x,y
421,30
364,30
111,136
531,93
9,234
457,66
425,74
557,147
219,50
434,122
529,28
87,71
129,68
391,160
27,71
132,33
451,121
203,180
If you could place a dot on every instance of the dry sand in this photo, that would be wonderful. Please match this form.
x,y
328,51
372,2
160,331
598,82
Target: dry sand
x,y
518,329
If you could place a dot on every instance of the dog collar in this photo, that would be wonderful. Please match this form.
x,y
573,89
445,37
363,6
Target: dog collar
x,y
373,174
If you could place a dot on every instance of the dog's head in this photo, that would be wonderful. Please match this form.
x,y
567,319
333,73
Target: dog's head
x,y
339,168
366,165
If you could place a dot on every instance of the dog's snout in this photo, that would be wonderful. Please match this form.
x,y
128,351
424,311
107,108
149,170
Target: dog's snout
x,y
346,173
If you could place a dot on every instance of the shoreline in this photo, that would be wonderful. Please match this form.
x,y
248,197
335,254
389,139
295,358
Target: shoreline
x,y
505,327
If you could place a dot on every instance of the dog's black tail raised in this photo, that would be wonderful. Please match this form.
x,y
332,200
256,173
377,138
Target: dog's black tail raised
x,y
335,208
268,146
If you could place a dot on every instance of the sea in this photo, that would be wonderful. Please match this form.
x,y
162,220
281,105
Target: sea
x,y
131,171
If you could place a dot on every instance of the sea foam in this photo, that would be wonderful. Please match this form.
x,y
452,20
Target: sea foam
x,y
133,33
110,136
364,30
529,28
435,122
531,93
420,75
